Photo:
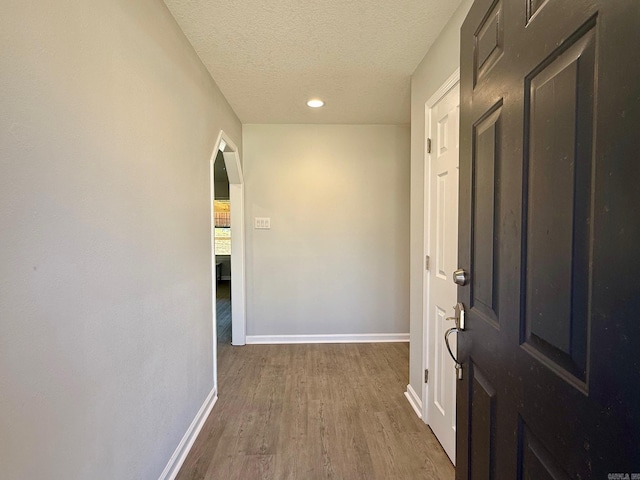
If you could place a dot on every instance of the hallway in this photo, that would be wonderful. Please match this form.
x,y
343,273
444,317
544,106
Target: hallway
x,y
314,412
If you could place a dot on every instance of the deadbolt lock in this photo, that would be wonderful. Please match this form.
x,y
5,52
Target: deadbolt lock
x,y
461,277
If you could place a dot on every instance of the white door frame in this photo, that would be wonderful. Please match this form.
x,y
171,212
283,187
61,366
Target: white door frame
x,y
232,163
445,88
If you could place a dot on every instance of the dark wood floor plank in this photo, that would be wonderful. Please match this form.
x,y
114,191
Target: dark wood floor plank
x,y
436,465
257,466
351,445
314,412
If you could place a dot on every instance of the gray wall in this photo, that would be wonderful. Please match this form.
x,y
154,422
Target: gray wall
x,y
336,258
439,63
108,122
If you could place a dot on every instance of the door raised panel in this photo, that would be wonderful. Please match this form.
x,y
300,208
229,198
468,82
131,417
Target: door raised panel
x,y
533,6
535,461
483,418
486,165
439,393
558,173
489,42
441,226
443,135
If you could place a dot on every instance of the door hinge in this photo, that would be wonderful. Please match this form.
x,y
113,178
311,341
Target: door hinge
x,y
427,261
428,145
426,376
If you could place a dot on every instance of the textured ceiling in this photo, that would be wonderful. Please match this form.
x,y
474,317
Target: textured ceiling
x,y
269,57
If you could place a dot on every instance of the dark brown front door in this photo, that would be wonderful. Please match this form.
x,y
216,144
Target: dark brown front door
x,y
550,234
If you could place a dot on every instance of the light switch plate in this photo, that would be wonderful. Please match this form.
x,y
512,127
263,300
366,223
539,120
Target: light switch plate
x,y
262,223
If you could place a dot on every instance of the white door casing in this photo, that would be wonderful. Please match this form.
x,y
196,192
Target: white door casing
x,y
236,198
441,245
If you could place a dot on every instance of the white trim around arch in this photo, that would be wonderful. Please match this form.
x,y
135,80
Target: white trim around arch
x,y
236,193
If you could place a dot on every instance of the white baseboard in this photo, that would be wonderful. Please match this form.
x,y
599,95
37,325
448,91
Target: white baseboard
x,y
414,400
349,338
177,459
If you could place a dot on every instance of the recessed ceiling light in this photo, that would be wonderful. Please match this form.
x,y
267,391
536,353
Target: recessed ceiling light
x,y
315,103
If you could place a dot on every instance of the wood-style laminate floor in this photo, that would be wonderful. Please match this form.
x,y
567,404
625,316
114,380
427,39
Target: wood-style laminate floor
x,y
314,412
223,311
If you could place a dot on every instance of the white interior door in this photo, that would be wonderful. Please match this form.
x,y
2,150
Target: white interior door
x,y
442,247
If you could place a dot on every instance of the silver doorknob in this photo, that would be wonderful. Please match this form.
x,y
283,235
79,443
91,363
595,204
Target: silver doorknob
x,y
460,277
